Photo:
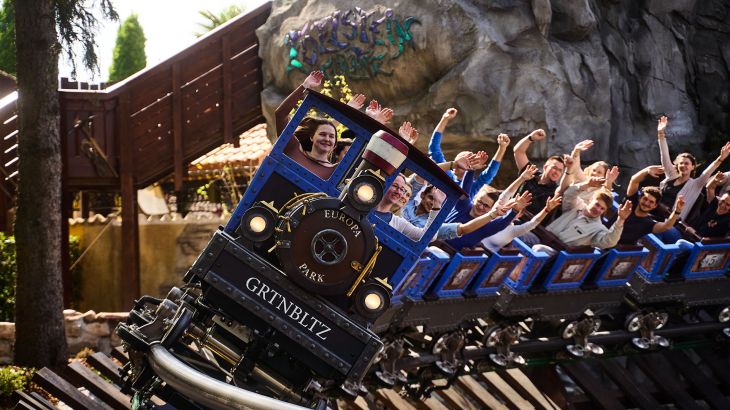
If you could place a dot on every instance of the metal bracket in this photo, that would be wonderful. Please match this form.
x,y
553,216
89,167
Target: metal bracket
x,y
501,339
646,324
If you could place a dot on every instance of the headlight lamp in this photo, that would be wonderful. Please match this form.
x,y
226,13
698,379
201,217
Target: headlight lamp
x,y
371,299
257,223
364,191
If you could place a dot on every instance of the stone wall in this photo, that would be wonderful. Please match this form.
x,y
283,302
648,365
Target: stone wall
x,y
168,247
600,69
83,330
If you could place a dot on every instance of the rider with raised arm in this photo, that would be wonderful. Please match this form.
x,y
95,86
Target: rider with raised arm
x,y
546,182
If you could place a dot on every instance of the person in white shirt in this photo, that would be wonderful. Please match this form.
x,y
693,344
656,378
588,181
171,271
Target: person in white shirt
x,y
446,231
580,224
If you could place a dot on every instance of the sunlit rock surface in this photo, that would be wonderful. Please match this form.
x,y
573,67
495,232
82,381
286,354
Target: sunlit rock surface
x,y
580,69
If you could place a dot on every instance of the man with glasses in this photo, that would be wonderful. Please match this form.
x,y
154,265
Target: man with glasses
x,y
446,231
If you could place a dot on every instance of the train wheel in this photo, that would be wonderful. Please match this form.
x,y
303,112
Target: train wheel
x,y
568,330
723,316
633,322
491,336
180,324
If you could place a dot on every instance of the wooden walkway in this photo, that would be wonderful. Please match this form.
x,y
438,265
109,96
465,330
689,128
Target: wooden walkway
x,y
684,379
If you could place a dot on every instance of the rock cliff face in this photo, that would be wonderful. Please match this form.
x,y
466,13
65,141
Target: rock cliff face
x,y
600,69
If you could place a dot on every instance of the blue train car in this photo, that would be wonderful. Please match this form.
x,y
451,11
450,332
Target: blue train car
x,y
661,256
499,267
431,263
521,278
708,258
458,274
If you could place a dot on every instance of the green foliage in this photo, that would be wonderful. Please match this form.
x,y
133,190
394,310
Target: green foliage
x,y
336,88
74,250
7,37
215,20
14,378
77,24
9,272
129,56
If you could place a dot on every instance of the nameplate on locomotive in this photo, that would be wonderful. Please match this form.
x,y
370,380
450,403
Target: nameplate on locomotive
x,y
279,302
351,224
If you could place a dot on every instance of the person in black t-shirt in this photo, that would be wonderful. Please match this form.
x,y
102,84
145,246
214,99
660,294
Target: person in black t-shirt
x,y
546,182
640,222
715,221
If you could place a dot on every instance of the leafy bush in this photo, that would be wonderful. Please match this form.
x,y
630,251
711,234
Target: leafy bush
x,y
14,378
9,270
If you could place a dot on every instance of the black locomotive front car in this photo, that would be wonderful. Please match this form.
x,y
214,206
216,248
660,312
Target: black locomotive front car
x,y
281,303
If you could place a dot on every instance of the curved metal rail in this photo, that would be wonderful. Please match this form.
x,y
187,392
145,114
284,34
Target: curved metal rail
x,y
206,390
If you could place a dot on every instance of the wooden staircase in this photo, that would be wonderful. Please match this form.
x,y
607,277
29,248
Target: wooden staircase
x,y
150,125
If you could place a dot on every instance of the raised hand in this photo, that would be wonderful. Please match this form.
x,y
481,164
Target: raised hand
x,y
465,161
718,179
357,101
724,151
405,130
596,182
414,136
498,211
529,172
583,145
450,114
679,204
552,203
624,210
386,114
662,126
479,160
373,109
538,134
655,170
503,140
522,201
568,161
611,176
313,80
438,197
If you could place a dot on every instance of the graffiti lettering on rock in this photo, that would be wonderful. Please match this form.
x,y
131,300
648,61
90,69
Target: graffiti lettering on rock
x,y
355,43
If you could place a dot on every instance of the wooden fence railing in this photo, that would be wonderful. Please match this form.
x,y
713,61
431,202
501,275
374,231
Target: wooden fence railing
x,y
150,125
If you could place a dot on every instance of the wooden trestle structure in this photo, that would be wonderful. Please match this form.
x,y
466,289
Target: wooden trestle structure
x,y
694,378
150,126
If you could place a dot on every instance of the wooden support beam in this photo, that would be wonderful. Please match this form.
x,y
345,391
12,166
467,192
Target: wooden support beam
x,y
483,396
717,364
638,395
547,381
66,205
129,285
512,398
522,384
698,379
84,204
82,376
106,366
393,400
596,389
660,372
177,127
65,391
227,91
